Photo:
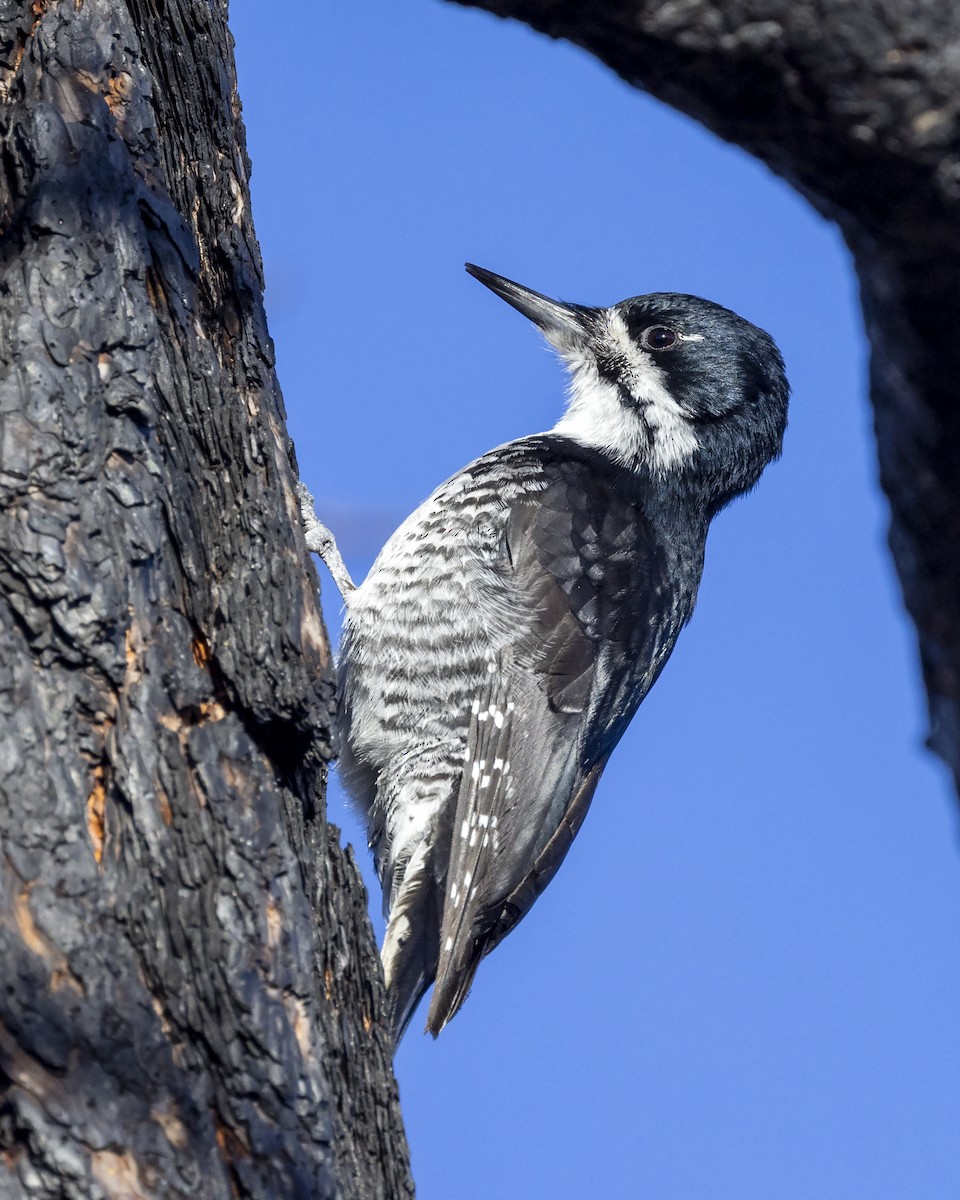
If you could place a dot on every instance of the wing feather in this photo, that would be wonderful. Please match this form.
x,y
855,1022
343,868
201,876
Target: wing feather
x,y
579,646
483,806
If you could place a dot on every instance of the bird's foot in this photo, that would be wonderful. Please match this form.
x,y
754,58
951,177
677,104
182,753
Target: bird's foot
x,y
321,541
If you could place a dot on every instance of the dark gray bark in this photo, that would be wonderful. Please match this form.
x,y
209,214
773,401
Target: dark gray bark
x,y
856,105
190,996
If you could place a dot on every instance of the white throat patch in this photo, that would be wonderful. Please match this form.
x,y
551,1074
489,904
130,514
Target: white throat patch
x,y
655,432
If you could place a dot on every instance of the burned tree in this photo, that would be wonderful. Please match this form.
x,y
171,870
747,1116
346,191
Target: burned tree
x,y
190,989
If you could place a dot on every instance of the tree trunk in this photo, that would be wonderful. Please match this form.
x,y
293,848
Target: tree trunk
x,y
191,996
855,105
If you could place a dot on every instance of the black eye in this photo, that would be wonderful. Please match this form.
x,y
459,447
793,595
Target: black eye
x,y
659,337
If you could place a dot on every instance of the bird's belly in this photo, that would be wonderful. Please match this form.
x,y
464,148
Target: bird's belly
x,y
416,659
413,660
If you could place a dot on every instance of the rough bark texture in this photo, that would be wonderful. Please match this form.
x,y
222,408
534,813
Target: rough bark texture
x,y
857,105
190,995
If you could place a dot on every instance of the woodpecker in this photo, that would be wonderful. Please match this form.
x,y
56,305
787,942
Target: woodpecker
x,y
510,628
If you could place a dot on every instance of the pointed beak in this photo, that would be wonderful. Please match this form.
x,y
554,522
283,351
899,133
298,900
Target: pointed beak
x,y
563,325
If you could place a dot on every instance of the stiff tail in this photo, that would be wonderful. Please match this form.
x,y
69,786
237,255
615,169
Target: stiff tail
x,y
409,953
405,990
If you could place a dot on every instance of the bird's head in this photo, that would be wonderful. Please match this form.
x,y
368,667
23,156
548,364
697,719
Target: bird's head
x,y
667,385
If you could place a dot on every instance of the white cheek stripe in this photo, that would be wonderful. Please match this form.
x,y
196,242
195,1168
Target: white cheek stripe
x,y
657,432
597,417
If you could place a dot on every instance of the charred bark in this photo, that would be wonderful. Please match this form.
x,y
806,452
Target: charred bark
x,y
190,1002
856,106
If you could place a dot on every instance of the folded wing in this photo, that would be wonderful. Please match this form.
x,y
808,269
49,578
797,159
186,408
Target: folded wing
x,y
581,619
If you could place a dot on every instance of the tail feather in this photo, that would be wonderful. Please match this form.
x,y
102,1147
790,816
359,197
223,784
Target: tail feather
x,y
404,994
409,952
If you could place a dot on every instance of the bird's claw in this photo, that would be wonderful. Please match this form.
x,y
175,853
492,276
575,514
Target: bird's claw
x,y
319,540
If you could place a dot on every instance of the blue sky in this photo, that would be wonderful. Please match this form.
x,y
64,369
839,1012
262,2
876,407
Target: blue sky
x,y
745,980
